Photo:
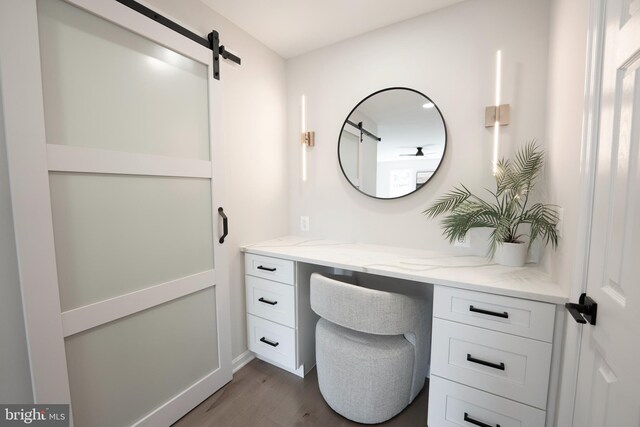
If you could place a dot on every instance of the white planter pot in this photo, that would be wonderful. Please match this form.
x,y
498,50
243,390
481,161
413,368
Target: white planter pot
x,y
511,254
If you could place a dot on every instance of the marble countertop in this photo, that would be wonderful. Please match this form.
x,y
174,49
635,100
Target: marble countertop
x,y
467,272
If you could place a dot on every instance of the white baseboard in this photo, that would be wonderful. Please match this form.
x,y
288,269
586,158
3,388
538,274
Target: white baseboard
x,y
240,361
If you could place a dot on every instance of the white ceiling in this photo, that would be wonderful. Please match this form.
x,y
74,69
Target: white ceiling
x,y
294,27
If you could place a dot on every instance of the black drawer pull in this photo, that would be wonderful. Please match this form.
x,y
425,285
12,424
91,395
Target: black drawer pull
x,y
485,363
271,343
504,315
470,420
260,267
266,301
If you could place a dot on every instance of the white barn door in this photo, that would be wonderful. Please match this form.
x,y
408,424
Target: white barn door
x,y
116,192
607,393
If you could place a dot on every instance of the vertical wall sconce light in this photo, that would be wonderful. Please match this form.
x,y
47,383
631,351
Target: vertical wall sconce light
x,y
307,138
499,114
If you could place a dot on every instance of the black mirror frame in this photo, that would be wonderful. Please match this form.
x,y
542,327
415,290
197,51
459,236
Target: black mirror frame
x,y
434,172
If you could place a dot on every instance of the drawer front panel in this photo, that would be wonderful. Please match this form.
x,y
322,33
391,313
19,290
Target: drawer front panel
x,y
530,319
273,341
271,300
454,405
279,270
509,366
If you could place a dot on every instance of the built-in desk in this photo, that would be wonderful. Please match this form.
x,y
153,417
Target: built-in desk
x,y
482,312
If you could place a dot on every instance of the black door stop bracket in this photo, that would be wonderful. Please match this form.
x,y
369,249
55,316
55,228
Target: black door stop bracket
x,y
585,311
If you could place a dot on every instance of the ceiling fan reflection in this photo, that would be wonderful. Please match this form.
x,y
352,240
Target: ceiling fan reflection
x,y
419,152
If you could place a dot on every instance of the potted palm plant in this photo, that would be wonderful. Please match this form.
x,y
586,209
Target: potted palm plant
x,y
506,211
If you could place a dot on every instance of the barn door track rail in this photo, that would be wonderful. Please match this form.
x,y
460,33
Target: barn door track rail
x,y
211,42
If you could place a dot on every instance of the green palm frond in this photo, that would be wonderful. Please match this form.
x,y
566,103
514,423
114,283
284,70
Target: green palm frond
x,y
468,215
543,220
502,232
503,169
448,202
528,164
514,181
516,178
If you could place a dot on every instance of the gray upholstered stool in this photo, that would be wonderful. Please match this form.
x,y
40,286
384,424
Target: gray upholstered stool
x,y
370,348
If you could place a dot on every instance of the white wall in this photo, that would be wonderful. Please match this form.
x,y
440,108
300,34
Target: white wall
x,y
449,56
567,57
254,107
15,378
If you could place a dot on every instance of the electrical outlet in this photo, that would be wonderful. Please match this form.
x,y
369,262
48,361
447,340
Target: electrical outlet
x,y
560,223
463,242
304,223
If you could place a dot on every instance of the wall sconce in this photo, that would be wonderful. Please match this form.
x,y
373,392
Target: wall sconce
x,y
307,138
498,114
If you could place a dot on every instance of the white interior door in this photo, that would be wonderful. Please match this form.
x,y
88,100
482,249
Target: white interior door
x,y
128,241
607,393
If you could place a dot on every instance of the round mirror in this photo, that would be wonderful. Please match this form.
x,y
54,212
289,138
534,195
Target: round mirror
x,y
392,143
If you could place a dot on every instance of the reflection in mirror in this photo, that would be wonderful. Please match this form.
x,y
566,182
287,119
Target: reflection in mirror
x,y
391,143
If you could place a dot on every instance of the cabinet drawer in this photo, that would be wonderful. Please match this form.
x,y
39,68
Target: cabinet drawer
x,y
280,270
515,316
451,403
271,300
272,341
509,366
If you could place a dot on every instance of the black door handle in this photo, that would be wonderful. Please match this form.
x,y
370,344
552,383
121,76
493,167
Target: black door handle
x,y
585,311
266,301
470,420
225,225
504,315
271,343
260,267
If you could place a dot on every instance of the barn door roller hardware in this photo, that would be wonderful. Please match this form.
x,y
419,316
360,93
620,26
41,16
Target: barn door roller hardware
x,y
211,42
363,130
218,51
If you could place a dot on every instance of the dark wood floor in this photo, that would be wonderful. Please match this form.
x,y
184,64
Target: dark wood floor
x,y
263,395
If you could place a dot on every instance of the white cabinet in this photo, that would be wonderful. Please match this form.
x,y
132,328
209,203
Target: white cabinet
x,y
491,359
271,300
454,405
516,316
279,270
513,367
280,322
496,345
272,341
